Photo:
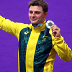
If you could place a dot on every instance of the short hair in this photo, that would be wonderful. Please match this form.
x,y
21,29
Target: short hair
x,y
42,3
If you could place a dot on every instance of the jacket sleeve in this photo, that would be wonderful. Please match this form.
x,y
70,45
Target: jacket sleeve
x,y
10,26
64,52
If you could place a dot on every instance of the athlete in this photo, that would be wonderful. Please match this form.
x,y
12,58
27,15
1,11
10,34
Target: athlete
x,y
36,51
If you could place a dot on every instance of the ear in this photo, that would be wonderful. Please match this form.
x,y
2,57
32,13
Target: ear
x,y
46,14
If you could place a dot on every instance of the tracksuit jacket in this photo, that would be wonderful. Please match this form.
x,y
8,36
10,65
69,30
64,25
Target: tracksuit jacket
x,y
36,51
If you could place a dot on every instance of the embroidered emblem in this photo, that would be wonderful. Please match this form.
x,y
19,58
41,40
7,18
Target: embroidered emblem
x,y
26,32
44,38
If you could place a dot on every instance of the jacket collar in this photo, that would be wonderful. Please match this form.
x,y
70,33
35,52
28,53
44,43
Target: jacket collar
x,y
39,27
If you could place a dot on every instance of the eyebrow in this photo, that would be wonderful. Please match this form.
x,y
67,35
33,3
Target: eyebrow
x,y
34,11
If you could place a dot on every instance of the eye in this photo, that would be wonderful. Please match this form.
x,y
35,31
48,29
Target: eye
x,y
30,12
37,12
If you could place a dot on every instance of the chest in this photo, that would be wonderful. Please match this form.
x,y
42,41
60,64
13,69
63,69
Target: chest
x,y
35,40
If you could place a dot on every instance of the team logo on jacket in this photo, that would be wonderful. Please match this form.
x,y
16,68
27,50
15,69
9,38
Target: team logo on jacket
x,y
44,38
26,32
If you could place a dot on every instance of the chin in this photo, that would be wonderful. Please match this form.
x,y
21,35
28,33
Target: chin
x,y
34,22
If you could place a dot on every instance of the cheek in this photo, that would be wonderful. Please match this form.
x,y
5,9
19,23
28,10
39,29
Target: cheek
x,y
41,17
38,16
29,15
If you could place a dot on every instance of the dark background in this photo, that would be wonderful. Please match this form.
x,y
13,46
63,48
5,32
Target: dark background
x,y
60,11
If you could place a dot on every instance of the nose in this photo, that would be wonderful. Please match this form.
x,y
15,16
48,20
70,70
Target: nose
x,y
33,14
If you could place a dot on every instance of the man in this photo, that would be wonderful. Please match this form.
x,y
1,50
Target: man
x,y
37,52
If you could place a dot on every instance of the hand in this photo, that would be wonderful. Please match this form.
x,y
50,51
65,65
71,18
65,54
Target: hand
x,y
55,31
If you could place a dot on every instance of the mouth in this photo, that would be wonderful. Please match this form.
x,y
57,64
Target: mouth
x,y
33,19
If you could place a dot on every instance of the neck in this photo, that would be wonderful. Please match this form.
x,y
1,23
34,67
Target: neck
x,y
36,25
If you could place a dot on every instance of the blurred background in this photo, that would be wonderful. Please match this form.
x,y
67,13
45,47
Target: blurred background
x,y
60,11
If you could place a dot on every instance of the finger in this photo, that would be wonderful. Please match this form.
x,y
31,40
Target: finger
x,y
56,33
56,29
53,26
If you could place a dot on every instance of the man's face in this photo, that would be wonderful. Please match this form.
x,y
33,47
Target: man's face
x,y
36,14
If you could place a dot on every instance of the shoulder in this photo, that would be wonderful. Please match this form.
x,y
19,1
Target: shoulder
x,y
20,26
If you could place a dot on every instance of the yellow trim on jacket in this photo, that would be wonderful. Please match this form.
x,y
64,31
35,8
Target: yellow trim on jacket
x,y
59,45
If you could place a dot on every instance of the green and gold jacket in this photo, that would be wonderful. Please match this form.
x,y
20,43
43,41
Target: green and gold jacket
x,y
36,51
